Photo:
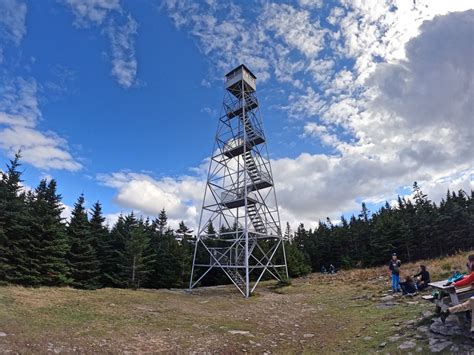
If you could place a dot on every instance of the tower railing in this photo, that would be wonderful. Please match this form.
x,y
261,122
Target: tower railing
x,y
246,243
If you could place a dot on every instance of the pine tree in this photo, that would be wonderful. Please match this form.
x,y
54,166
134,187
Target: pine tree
x,y
162,222
210,229
82,256
99,237
298,265
138,257
21,249
113,254
4,266
183,232
48,229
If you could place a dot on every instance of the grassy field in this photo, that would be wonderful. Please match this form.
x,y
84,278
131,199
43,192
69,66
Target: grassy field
x,y
320,313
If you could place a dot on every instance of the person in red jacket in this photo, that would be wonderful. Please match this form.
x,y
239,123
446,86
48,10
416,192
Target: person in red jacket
x,y
469,304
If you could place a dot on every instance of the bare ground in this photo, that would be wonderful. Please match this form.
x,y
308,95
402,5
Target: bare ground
x,y
317,314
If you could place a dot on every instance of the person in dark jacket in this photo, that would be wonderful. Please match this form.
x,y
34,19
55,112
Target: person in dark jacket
x,y
394,267
408,286
423,278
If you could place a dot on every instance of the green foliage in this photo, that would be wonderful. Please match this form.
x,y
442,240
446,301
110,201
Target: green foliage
x,y
49,231
297,263
82,255
413,229
20,247
37,248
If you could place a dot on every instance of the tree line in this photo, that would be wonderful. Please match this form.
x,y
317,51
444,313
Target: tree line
x,y
414,229
39,248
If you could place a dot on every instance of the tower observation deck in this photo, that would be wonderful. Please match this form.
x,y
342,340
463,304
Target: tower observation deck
x,y
239,229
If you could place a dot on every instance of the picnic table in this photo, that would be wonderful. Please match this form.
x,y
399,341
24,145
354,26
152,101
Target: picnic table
x,y
450,290
456,295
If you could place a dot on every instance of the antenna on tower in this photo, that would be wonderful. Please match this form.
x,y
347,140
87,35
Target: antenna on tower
x,y
239,229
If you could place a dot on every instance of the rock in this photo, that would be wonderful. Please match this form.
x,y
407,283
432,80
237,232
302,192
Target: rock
x,y
240,332
368,338
396,324
309,335
419,349
427,314
449,328
438,345
407,345
410,322
394,338
387,298
423,329
454,349
382,345
2,334
167,329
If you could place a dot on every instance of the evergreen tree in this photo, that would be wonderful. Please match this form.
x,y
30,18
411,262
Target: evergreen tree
x,y
138,257
183,232
82,256
99,237
21,248
162,222
4,266
48,229
113,254
210,229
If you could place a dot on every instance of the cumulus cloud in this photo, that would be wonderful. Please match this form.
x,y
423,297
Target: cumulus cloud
x,y
143,193
19,117
120,28
391,89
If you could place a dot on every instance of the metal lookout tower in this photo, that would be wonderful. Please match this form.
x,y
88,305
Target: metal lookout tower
x,y
239,229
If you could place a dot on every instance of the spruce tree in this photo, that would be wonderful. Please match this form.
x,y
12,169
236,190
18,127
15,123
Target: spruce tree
x,y
99,237
138,256
21,249
82,256
113,254
50,233
161,222
4,266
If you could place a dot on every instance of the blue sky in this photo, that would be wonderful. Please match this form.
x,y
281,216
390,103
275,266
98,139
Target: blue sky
x,y
119,100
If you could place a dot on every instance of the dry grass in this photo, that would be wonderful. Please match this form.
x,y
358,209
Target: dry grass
x,y
439,268
319,313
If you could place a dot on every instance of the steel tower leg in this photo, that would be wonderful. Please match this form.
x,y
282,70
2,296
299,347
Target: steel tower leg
x,y
239,228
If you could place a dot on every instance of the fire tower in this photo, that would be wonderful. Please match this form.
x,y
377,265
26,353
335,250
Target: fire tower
x,y
239,229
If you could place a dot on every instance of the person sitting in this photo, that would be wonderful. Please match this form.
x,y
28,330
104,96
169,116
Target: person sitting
x,y
408,287
332,269
323,270
423,278
469,304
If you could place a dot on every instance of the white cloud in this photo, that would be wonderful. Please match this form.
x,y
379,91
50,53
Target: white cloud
x,y
87,12
12,20
296,27
124,61
19,116
143,193
402,112
120,28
